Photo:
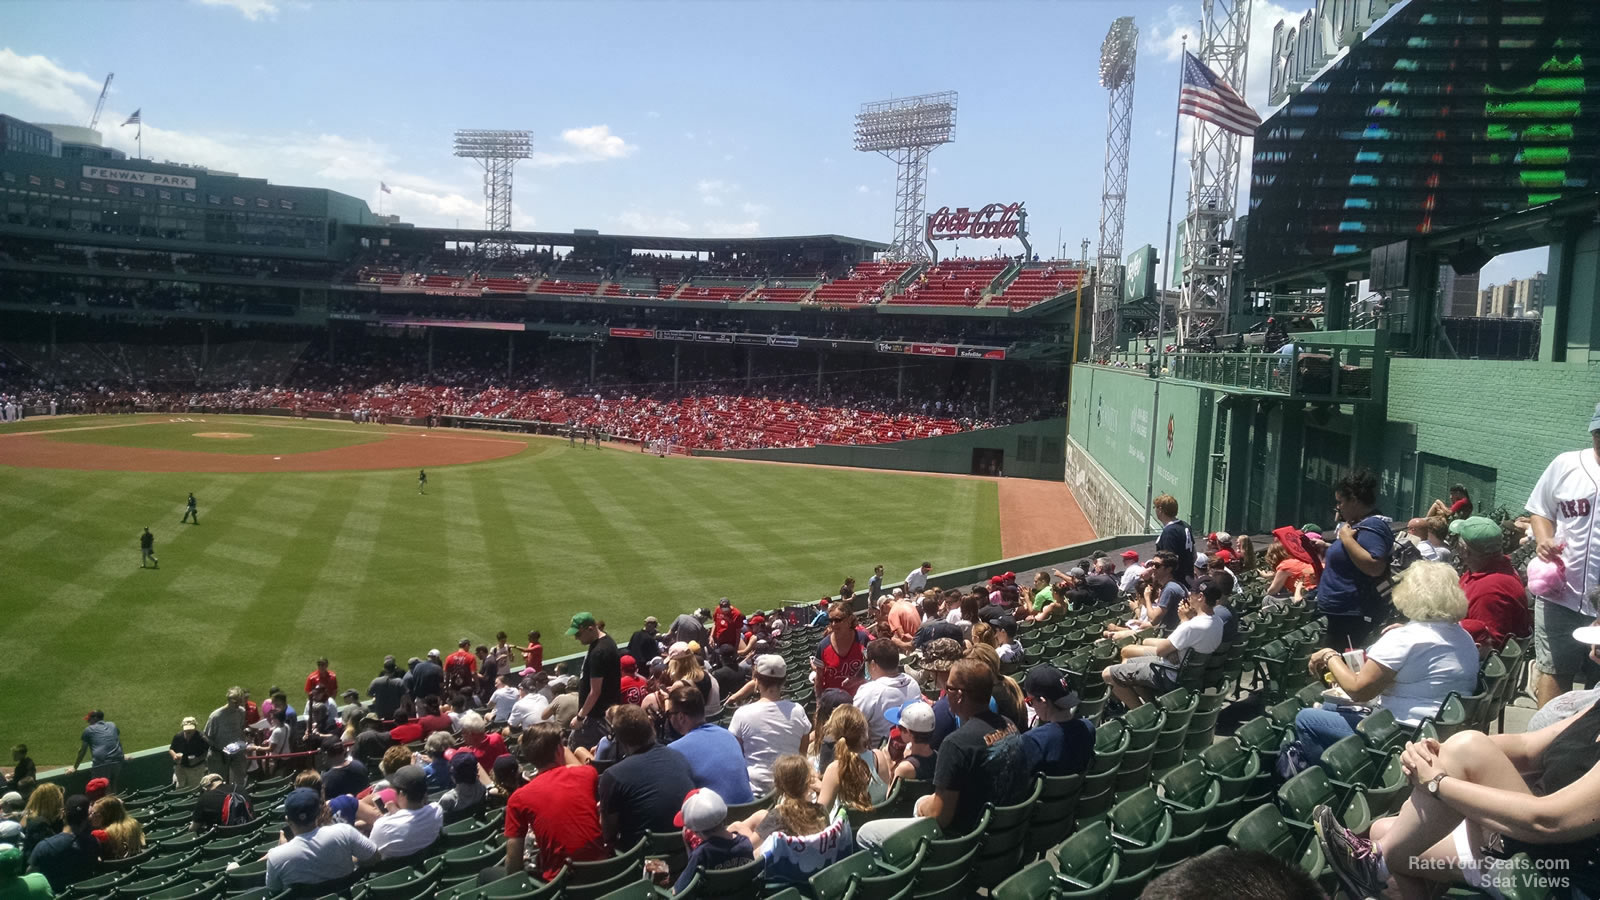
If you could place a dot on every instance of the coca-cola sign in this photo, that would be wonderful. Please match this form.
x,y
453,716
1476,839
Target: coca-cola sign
x,y
997,220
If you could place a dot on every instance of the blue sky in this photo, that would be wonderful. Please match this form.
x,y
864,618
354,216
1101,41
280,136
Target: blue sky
x,y
703,118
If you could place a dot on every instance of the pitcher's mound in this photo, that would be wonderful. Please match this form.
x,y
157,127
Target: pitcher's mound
x,y
223,435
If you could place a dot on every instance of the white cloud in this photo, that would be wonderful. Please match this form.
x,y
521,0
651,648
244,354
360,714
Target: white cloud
x,y
354,165
647,223
712,191
595,143
250,9
47,86
733,229
753,209
1165,37
652,114
863,189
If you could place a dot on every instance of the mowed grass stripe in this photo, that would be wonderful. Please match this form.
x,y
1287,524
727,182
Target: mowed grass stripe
x,y
353,565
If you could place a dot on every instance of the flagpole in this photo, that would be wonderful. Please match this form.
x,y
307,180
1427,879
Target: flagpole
x,y
138,138
1161,292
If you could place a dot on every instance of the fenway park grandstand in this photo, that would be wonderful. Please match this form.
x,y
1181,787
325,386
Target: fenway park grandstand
x,y
158,287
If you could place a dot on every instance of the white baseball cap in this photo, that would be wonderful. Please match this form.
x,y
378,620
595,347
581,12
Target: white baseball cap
x,y
914,716
703,810
771,665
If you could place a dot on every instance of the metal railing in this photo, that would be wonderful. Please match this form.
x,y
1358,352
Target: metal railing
x,y
1344,367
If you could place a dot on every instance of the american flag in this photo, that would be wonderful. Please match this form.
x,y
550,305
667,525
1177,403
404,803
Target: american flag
x,y
1210,99
384,187
134,119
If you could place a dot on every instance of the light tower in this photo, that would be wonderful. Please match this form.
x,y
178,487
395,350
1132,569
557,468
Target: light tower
x,y
1118,54
497,152
906,131
1207,242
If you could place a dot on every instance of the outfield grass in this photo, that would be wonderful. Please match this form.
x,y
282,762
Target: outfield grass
x,y
287,567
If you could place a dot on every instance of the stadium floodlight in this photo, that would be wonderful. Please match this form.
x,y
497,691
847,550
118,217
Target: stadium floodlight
x,y
497,152
1118,54
906,130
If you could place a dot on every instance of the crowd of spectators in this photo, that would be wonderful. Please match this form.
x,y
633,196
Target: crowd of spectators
x,y
713,406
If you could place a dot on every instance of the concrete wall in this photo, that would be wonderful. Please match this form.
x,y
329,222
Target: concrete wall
x,y
1031,450
1109,508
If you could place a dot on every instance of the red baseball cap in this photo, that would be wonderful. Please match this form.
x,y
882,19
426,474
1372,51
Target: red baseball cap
x,y
1130,554
96,788
1224,555
1009,576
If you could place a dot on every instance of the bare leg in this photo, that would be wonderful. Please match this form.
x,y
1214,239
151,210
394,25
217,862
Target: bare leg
x,y
1547,687
1126,695
1421,830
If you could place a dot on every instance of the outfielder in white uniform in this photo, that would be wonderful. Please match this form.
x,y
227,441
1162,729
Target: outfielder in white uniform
x,y
1564,506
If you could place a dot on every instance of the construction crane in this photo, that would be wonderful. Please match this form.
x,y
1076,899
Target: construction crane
x,y
95,119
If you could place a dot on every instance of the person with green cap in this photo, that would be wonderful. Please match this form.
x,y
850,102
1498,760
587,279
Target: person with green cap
x,y
13,883
1497,600
600,685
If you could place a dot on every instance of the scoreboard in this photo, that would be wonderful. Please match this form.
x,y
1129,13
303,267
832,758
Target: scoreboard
x,y
1451,112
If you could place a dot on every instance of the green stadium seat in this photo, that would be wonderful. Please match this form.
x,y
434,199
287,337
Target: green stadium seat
x,y
1035,882
603,870
473,858
1263,829
733,883
1348,765
400,884
739,811
1303,793
668,845
190,890
1142,827
900,848
465,831
1088,863
1005,839
1190,795
1054,812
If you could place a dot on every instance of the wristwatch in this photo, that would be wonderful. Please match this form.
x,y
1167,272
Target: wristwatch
x,y
1433,783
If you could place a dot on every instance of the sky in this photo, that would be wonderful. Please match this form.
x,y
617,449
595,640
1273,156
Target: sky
x,y
706,118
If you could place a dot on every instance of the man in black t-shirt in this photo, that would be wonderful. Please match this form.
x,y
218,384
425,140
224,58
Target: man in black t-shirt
x,y
645,644
188,752
600,685
982,762
388,690
1176,537
343,775
644,791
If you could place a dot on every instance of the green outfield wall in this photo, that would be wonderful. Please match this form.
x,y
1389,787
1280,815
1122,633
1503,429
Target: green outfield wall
x,y
1029,450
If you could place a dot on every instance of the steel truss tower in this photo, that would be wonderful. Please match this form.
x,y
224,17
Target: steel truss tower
x,y
906,131
1117,57
1207,250
497,152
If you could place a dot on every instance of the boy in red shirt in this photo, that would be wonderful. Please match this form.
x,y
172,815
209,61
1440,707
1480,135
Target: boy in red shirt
x,y
533,654
557,806
727,623
634,687
328,681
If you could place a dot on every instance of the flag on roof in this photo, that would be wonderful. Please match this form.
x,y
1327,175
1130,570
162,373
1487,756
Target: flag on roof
x,y
1210,99
384,187
134,119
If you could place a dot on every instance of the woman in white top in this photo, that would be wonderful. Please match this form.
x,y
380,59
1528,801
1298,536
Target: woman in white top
x,y
1409,670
